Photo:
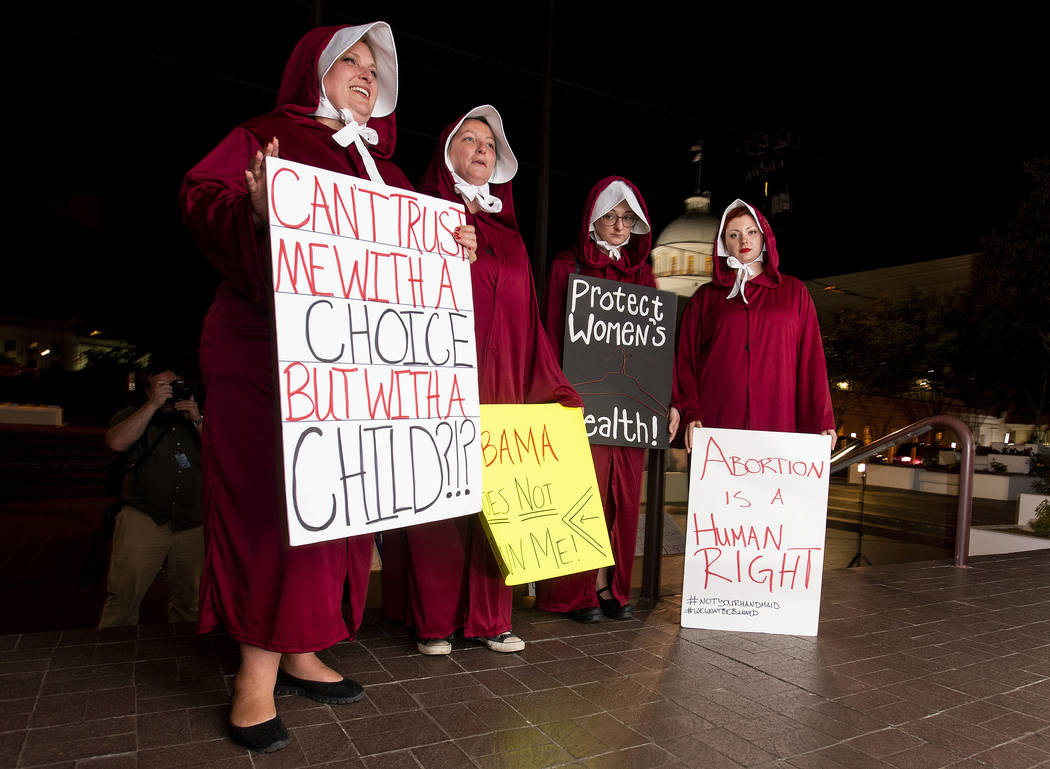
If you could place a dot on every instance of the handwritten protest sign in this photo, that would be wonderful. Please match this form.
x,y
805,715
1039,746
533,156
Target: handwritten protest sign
x,y
755,536
541,507
375,355
619,355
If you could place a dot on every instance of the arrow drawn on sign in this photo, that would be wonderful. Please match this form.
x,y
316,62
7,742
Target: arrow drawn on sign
x,y
576,512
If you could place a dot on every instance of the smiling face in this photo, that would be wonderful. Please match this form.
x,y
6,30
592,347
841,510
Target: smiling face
x,y
350,83
743,238
616,232
472,152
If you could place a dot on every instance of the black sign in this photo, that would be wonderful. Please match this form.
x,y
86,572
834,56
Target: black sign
x,y
619,355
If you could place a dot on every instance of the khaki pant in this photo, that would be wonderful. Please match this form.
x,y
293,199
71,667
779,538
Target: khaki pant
x,y
140,548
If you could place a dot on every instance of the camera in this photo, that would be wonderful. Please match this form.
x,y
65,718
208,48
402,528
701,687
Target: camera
x,y
180,391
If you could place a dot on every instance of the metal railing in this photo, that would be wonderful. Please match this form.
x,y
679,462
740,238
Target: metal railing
x,y
964,512
654,523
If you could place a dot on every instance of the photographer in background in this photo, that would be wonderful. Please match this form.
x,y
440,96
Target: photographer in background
x,y
160,521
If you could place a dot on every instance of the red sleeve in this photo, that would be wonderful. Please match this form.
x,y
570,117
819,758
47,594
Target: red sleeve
x,y
813,411
217,211
554,305
547,382
685,394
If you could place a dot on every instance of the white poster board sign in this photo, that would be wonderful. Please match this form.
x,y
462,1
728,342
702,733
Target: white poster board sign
x,y
754,556
375,355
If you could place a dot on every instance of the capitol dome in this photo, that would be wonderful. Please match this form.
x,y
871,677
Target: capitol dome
x,y
683,252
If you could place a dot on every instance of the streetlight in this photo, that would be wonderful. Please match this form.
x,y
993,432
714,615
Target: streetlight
x,y
862,468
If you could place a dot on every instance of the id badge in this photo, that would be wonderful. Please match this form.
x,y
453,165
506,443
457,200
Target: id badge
x,y
182,461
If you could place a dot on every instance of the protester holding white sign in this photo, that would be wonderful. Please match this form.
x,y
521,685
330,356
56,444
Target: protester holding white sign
x,y
442,577
375,355
613,244
749,350
334,111
750,358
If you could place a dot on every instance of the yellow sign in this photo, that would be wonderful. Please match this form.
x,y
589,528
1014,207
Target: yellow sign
x,y
541,508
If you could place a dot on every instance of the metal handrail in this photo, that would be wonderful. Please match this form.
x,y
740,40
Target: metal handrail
x,y
964,515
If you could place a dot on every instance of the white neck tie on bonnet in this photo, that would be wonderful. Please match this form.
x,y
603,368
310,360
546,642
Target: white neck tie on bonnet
x,y
477,192
743,274
613,251
352,132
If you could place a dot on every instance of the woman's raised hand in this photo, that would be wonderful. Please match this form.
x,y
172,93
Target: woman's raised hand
x,y
255,177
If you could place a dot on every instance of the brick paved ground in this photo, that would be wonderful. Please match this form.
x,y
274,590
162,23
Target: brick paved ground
x,y
916,665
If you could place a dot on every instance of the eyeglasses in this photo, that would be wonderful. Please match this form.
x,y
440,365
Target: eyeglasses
x,y
611,219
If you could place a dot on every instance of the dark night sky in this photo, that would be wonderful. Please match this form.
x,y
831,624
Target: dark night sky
x,y
911,128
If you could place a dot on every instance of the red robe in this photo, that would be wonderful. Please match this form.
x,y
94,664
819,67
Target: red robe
x,y
442,577
754,366
264,592
618,468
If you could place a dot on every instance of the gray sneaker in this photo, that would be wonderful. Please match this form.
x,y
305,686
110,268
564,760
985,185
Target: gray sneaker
x,y
504,642
433,646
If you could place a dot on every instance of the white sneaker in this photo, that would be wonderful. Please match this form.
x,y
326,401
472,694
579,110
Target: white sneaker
x,y
504,642
434,646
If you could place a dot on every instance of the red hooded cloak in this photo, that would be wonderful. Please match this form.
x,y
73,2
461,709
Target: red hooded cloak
x,y
442,577
618,468
266,593
757,365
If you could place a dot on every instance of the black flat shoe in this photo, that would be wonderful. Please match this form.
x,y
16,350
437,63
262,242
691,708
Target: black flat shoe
x,y
330,693
612,608
267,737
587,615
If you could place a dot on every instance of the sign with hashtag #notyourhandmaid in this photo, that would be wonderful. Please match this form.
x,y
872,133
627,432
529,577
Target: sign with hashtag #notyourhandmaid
x,y
755,531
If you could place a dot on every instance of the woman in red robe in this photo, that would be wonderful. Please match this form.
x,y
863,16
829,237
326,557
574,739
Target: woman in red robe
x,y
749,350
441,578
614,245
282,604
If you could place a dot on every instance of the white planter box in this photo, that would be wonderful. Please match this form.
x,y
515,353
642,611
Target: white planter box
x,y
1026,505
14,414
985,485
891,476
1015,463
991,540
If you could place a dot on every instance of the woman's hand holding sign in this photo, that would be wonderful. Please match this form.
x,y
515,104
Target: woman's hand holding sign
x,y
468,238
674,420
